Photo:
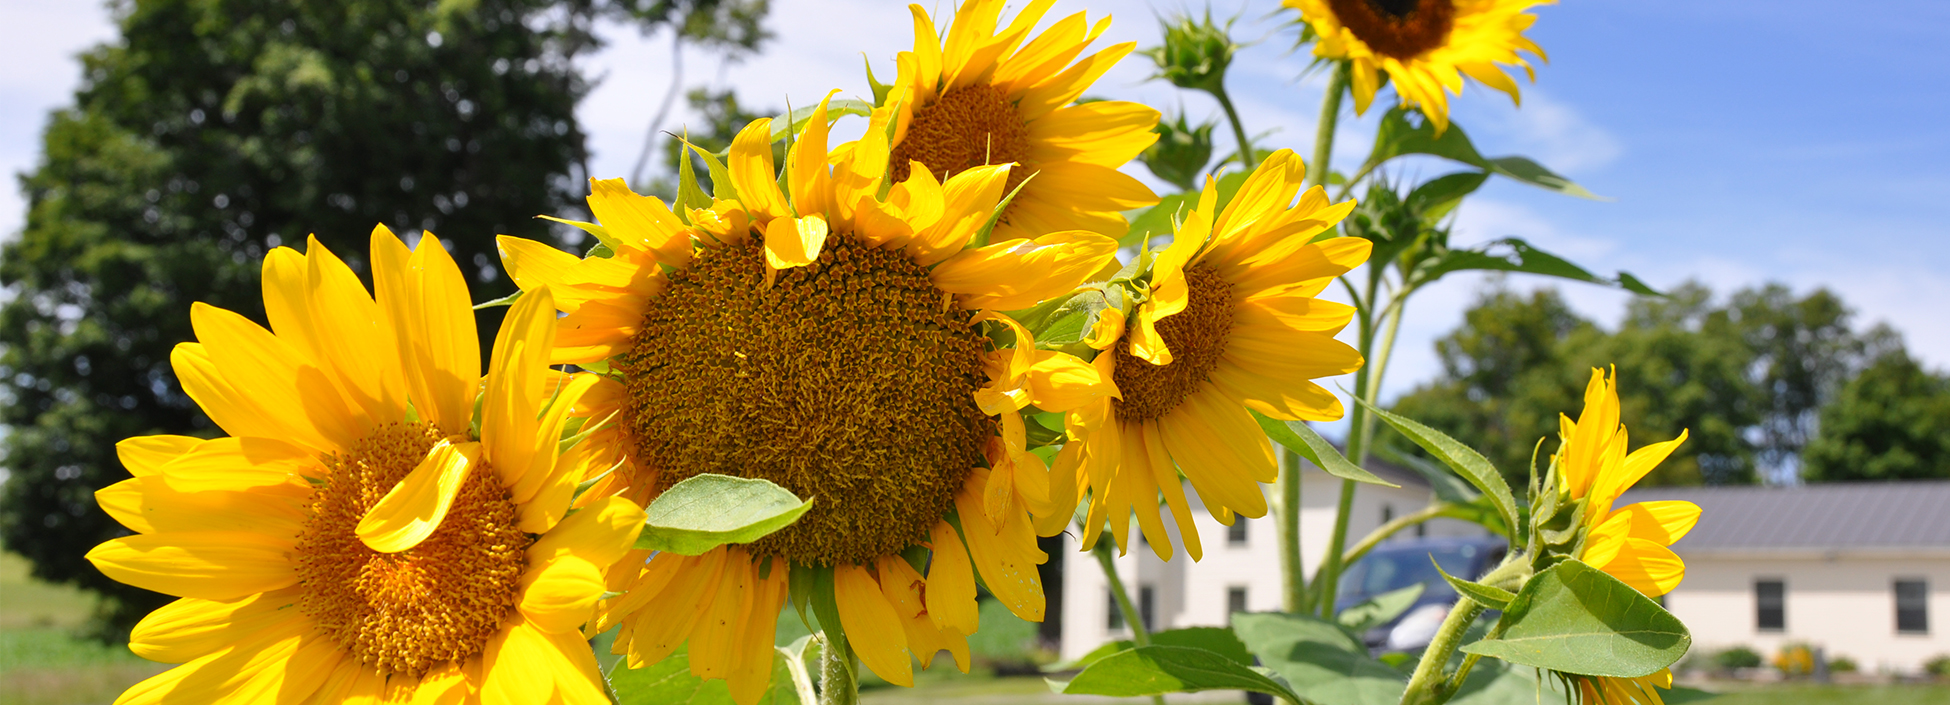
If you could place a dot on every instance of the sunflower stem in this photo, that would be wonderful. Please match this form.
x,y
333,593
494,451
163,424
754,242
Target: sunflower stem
x,y
1330,116
839,681
1327,580
1293,578
1139,635
1246,160
1428,686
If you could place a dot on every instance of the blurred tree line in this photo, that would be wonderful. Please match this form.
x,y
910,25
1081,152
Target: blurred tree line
x,y
1769,385
209,132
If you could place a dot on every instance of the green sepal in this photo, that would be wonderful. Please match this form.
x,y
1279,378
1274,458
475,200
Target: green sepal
x,y
981,238
508,300
880,90
1487,595
721,186
690,194
597,231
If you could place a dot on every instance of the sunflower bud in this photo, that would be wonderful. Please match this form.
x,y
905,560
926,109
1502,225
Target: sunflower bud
x,y
1195,53
1181,152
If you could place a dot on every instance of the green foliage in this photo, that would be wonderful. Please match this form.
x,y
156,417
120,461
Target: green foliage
x,y
1156,670
1300,438
210,132
1399,136
1891,422
1938,666
1321,660
1376,611
1214,639
1843,664
706,511
1576,619
670,681
1726,373
1734,657
1181,152
1468,463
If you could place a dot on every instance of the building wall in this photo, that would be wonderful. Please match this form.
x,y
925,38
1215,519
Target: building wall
x,y
1845,604
1196,594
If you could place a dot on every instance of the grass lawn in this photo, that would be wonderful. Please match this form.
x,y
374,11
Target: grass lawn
x,y
1811,694
41,662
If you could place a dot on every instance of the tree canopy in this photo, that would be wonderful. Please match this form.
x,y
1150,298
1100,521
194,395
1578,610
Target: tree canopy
x,y
1750,379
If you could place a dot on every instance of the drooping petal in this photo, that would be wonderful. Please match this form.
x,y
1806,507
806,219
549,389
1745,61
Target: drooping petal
x,y
1006,555
872,627
754,174
951,582
601,532
794,242
414,508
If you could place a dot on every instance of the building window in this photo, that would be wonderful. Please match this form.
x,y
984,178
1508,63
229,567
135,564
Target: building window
x,y
1236,534
1116,619
1144,608
1770,605
1387,513
1912,606
1235,600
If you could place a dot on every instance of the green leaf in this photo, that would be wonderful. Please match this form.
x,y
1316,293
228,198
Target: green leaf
x,y
670,681
1574,618
1217,640
1300,438
1490,596
1322,662
1445,484
1157,220
1439,196
1512,254
1398,136
707,511
1156,670
508,300
1461,458
1377,610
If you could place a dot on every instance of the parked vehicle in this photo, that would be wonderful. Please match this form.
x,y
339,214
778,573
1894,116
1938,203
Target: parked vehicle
x,y
1396,565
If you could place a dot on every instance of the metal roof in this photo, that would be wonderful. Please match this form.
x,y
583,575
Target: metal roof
x,y
1828,517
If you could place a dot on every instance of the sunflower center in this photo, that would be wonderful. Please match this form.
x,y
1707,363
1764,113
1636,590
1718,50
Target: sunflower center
x,y
438,601
965,128
1196,337
1403,29
849,381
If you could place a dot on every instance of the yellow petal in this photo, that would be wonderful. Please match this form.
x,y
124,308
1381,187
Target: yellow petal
x,y
596,331
794,242
714,641
758,626
414,508
1646,566
145,455
640,222
656,637
600,533
753,173
558,595
1061,382
234,463
522,665
259,377
556,480
1164,472
352,337
903,588
810,177
213,565
515,389
284,664
446,368
1006,554
190,628
871,626
951,582
149,505
1021,273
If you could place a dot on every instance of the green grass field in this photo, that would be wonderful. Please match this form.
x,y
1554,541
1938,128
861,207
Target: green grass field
x,y
43,663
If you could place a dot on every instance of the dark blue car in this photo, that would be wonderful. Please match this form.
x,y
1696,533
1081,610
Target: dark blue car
x,y
1399,564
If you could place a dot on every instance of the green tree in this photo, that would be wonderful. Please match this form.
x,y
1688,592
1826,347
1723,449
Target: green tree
x,y
1744,378
1890,422
211,131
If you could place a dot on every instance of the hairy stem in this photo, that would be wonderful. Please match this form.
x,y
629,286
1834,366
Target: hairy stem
x,y
839,669
1293,584
1429,686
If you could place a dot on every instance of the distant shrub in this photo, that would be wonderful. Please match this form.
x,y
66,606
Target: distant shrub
x,y
1843,664
1795,660
1938,666
1736,657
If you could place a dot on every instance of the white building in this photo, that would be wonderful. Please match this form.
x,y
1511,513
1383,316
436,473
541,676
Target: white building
x,y
1241,568
1860,570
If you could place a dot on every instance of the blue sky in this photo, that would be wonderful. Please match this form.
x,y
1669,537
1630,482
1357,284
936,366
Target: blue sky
x,y
1742,142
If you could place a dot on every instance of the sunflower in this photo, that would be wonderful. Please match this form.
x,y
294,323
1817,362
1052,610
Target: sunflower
x,y
836,342
1231,324
1425,46
1629,543
350,536
988,98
